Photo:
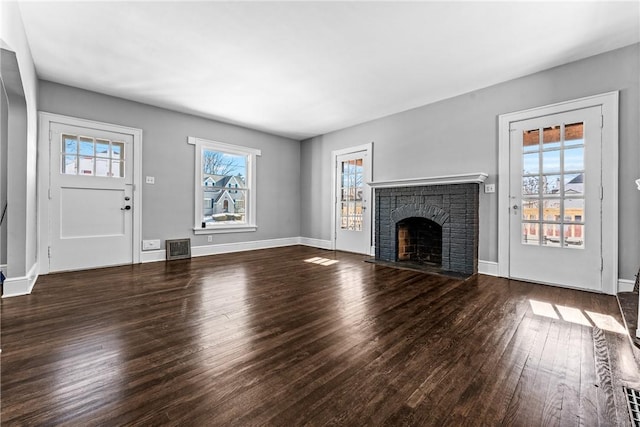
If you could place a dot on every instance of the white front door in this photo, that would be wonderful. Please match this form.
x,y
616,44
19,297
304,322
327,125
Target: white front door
x,y
91,198
555,199
353,220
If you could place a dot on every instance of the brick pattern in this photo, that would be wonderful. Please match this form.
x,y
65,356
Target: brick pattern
x,y
454,207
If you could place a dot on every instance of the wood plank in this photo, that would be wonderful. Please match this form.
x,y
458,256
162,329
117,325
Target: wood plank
x,y
265,338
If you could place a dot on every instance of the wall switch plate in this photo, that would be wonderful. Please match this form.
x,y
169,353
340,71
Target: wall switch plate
x,y
209,239
149,245
150,180
489,188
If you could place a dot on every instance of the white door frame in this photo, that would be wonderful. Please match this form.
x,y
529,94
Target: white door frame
x,y
44,126
609,104
367,179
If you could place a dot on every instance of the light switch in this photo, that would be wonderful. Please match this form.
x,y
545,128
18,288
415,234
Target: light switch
x,y
150,180
489,188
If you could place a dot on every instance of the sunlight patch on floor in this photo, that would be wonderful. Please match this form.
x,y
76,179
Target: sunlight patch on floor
x,y
321,261
575,315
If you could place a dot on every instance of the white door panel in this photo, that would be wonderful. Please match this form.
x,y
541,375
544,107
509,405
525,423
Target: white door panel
x,y
87,213
555,204
91,206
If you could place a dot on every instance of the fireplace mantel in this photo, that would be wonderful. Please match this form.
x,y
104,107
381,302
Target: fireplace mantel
x,y
466,178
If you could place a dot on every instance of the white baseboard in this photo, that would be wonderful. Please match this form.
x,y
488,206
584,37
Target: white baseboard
x,y
489,268
16,286
225,248
315,243
625,285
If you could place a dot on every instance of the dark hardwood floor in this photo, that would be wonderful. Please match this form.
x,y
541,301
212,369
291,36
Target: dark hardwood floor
x,y
267,338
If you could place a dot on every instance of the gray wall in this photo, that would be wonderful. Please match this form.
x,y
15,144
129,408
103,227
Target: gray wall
x,y
460,135
168,205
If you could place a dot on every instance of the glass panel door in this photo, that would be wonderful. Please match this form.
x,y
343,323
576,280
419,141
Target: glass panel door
x,y
555,182
553,186
351,194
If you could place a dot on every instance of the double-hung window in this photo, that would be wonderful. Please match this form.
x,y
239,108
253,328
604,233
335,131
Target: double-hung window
x,y
225,183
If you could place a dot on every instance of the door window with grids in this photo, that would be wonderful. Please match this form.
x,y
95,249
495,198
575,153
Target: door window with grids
x,y
351,202
87,156
553,186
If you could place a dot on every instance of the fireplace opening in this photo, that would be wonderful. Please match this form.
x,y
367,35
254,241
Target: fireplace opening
x,y
419,240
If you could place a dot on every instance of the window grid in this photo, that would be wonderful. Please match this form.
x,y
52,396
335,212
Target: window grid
x,y
553,186
88,156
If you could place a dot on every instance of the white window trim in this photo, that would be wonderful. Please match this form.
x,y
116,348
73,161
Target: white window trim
x,y
250,202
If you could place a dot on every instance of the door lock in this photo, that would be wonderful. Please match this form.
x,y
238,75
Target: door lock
x,y
126,208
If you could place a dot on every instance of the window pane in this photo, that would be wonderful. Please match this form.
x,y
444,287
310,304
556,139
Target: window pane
x,y
551,137
530,235
573,236
117,169
551,184
102,167
86,146
551,210
531,209
574,210
530,163
551,235
531,140
86,165
530,185
223,164
574,159
117,150
69,165
574,184
573,134
223,207
102,148
551,161
70,144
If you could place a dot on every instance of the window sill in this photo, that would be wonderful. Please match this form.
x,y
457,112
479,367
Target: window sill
x,y
225,229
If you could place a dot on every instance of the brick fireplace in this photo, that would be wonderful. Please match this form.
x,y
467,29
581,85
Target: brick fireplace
x,y
432,224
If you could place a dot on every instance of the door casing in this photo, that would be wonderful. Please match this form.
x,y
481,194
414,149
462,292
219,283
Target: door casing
x,y
367,179
44,170
609,104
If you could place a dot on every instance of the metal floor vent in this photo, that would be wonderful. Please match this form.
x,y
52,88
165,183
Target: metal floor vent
x,y
633,402
178,249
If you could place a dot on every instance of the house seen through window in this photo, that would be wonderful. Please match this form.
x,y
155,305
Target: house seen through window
x,y
225,185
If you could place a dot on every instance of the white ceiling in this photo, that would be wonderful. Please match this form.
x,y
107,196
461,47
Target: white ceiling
x,y
301,69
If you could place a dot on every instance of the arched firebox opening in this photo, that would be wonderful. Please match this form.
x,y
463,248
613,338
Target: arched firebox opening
x,y
419,241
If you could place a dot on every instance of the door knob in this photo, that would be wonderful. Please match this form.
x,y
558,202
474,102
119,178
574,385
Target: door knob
x,y
126,208
515,207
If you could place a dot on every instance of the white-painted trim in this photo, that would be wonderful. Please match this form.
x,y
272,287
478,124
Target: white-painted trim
x,y
477,178
225,229
369,191
225,248
16,286
44,124
251,178
625,285
609,104
316,243
489,268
